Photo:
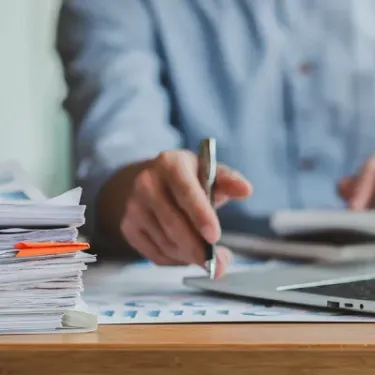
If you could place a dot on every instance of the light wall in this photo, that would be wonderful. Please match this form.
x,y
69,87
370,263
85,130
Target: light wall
x,y
33,128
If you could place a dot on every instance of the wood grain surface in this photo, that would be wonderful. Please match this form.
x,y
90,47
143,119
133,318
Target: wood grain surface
x,y
220,349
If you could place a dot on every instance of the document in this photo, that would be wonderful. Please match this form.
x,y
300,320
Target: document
x,y
147,294
41,261
23,205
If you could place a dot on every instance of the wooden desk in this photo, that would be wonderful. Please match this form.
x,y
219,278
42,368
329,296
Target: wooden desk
x,y
222,349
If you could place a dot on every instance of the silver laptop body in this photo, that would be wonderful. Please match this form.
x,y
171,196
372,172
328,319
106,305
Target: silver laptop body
x,y
343,287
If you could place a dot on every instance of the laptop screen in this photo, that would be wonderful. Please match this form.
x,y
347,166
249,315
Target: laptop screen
x,y
362,289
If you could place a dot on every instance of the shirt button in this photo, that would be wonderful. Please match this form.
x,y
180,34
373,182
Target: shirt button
x,y
305,67
307,164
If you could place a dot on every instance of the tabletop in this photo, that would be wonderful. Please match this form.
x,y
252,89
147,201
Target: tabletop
x,y
256,349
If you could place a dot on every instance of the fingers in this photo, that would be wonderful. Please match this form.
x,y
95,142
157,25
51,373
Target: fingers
x,y
229,185
168,219
180,177
144,233
168,214
345,188
220,200
361,190
224,258
232,184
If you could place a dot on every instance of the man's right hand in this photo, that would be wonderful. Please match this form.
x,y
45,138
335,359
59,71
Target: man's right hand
x,y
167,213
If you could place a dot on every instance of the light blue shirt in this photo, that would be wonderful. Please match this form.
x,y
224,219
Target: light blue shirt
x,y
286,87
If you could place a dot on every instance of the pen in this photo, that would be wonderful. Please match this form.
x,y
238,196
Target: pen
x,y
207,176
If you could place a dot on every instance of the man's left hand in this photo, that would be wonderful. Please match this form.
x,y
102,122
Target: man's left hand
x,y
359,190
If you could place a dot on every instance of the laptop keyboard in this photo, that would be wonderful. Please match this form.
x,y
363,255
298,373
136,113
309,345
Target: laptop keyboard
x,y
362,289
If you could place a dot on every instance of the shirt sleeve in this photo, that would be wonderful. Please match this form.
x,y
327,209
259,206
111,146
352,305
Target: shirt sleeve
x,y
117,103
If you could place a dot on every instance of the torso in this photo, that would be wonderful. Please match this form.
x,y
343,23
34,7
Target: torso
x,y
286,87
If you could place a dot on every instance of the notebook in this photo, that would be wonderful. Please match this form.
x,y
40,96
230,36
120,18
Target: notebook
x,y
312,235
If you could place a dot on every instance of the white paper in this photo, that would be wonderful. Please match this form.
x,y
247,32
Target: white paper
x,y
69,198
49,320
9,237
22,204
146,294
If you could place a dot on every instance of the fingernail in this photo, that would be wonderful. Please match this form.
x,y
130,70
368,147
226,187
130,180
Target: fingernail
x,y
208,234
237,175
241,178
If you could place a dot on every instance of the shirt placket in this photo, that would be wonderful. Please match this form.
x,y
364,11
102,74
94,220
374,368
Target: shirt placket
x,y
312,165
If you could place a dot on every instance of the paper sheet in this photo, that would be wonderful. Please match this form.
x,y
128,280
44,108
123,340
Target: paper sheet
x,y
146,294
23,205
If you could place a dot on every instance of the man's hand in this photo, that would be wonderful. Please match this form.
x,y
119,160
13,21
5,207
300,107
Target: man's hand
x,y
167,213
359,191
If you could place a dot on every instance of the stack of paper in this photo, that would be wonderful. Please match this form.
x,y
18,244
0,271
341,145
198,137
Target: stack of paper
x,y
41,262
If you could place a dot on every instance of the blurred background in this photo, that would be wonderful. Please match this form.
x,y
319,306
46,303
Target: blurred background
x,y
33,128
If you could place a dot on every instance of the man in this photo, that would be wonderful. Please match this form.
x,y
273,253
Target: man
x,y
286,88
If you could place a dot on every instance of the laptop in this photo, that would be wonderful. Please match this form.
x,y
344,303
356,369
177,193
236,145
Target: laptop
x,y
349,287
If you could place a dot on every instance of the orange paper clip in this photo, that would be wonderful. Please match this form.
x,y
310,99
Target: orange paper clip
x,y
32,249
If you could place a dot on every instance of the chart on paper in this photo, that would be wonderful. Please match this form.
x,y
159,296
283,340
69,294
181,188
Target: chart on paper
x,y
192,308
144,294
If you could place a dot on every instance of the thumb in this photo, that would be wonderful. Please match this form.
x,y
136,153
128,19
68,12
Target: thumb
x,y
231,184
224,258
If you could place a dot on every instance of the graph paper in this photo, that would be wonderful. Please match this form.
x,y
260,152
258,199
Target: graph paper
x,y
146,294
